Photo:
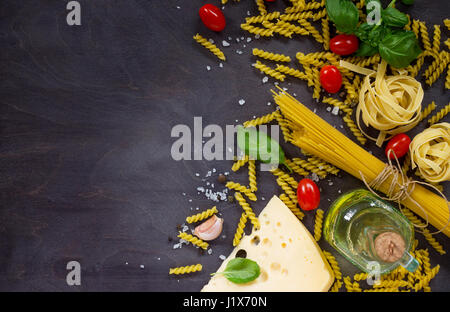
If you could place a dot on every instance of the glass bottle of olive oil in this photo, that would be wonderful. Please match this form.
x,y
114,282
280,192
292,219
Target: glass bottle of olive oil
x,y
364,229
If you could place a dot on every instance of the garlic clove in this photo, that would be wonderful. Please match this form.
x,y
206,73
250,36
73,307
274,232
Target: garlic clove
x,y
210,229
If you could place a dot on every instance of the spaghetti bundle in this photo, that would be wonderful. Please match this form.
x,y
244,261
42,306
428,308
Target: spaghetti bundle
x,y
314,135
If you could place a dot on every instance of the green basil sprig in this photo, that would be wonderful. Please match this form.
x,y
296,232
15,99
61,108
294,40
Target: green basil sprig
x,y
399,48
241,270
258,145
344,14
394,18
396,46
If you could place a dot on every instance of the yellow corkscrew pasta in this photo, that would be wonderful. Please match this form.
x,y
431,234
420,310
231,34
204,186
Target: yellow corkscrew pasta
x,y
252,175
261,7
292,28
309,166
210,46
240,229
321,164
284,127
286,177
425,232
202,215
427,110
186,269
435,70
439,115
261,18
318,224
271,56
436,39
240,188
194,240
257,30
239,163
292,206
424,35
269,71
326,33
278,29
288,190
248,210
296,168
261,120
291,72
354,129
311,29
426,279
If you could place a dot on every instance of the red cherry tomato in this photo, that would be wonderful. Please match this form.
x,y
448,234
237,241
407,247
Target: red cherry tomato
x,y
270,0
212,17
344,44
308,194
399,144
330,78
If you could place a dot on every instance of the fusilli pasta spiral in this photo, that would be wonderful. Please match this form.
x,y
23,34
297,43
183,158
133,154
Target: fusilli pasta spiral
x,y
210,46
248,210
194,240
318,224
240,188
240,229
271,56
186,269
269,71
202,215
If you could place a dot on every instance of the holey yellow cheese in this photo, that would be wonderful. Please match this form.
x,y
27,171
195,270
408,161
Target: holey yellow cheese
x,y
289,258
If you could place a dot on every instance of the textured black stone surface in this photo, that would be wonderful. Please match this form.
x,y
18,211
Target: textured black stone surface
x,y
86,118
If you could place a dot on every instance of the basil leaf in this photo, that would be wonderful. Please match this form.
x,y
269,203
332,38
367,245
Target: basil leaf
x,y
365,49
377,34
372,34
259,146
399,48
394,18
344,14
362,32
408,2
241,270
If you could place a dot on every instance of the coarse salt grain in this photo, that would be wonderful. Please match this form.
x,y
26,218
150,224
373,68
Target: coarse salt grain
x,y
225,43
241,102
265,79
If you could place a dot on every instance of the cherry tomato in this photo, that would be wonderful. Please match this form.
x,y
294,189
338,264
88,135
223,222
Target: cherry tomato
x,y
399,144
330,78
344,44
270,0
212,17
308,194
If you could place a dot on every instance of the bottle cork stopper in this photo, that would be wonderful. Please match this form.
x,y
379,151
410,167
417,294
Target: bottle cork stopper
x,y
389,246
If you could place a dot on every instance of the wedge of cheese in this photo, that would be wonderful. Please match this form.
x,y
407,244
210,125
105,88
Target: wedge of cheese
x,y
289,258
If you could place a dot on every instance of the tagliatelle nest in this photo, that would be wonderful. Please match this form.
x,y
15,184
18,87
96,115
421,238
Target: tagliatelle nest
x,y
430,152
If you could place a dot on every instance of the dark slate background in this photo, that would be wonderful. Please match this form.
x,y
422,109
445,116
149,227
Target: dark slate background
x,y
86,118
